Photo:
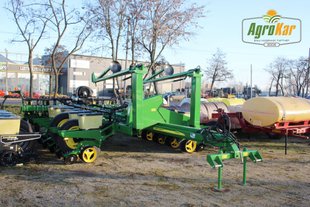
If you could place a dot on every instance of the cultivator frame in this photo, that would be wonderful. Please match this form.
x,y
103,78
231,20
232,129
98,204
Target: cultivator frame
x,y
216,161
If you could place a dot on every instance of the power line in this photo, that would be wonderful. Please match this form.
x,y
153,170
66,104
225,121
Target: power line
x,y
211,52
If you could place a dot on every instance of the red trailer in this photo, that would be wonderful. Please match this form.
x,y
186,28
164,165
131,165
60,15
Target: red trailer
x,y
295,129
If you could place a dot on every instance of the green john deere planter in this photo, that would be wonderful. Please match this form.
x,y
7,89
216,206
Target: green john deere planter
x,y
80,134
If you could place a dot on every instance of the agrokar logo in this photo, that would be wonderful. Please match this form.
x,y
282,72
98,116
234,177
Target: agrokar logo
x,y
271,30
271,16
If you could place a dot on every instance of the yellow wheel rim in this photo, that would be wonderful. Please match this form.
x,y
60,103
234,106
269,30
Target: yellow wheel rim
x,y
62,122
190,146
174,143
70,141
161,140
89,154
149,136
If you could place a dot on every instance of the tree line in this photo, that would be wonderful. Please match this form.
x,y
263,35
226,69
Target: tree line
x,y
141,28
289,77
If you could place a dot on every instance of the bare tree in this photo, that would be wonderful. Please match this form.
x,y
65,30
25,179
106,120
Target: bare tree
x,y
165,23
278,70
299,76
31,19
110,21
134,14
289,76
307,76
62,19
270,86
217,70
59,56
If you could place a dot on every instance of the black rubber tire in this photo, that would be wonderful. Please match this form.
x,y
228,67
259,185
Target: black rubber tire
x,y
60,141
52,148
84,92
97,150
157,136
59,154
71,159
200,147
25,127
169,141
183,146
57,119
144,135
8,158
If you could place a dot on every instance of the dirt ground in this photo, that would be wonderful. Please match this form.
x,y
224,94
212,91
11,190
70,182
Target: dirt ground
x,y
134,172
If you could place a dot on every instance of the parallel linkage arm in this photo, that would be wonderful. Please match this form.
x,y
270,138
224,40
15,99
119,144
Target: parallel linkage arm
x,y
178,75
102,76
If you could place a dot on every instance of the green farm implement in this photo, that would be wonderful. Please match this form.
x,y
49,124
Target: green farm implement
x,y
16,139
77,131
147,117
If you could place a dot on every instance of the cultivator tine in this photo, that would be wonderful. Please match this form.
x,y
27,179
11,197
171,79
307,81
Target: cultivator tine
x,y
254,155
215,160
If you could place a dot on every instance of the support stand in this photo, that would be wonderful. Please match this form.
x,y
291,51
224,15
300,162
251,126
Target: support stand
x,y
244,171
286,137
219,187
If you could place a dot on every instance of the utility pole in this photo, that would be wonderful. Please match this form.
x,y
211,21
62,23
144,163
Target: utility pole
x,y
6,71
31,70
127,41
251,78
308,70
126,59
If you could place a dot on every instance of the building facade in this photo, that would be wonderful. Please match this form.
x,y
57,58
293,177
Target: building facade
x,y
80,67
16,77
76,72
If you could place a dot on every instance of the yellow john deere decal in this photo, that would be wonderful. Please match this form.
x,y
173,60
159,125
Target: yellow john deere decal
x,y
245,154
169,131
225,156
271,30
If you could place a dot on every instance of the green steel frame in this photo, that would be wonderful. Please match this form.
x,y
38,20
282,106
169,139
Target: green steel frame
x,y
157,118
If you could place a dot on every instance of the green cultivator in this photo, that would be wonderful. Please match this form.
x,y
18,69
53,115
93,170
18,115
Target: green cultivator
x,y
216,161
228,149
